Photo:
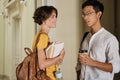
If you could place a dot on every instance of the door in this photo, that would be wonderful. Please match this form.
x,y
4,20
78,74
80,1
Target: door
x,y
16,49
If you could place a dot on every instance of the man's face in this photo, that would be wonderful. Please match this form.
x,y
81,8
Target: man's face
x,y
90,16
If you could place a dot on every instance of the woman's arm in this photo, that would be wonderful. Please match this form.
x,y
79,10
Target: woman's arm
x,y
45,62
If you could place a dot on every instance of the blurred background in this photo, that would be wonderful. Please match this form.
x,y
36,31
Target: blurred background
x,y
17,30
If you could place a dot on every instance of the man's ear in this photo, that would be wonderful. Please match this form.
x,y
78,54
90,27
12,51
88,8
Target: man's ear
x,y
99,14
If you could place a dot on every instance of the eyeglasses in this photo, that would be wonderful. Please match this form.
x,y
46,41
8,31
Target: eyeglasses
x,y
87,14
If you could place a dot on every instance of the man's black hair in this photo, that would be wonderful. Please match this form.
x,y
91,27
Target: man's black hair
x,y
97,5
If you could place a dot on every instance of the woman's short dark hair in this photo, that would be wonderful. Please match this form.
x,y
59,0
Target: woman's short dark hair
x,y
42,13
97,5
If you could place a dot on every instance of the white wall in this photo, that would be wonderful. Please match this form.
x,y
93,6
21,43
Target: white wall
x,y
1,44
69,29
2,29
25,32
27,23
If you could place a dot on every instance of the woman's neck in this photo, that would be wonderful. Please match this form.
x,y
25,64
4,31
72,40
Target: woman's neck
x,y
44,29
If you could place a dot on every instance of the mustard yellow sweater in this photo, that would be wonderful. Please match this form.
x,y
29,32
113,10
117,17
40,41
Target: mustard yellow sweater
x,y
42,44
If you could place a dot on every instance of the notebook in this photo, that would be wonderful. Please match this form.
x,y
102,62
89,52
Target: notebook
x,y
54,49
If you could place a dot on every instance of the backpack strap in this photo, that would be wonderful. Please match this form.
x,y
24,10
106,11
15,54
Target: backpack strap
x,y
85,34
78,70
27,50
37,40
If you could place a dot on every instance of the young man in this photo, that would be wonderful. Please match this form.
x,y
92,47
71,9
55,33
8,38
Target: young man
x,y
102,59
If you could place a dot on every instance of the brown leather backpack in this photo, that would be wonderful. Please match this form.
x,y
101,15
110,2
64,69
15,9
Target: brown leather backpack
x,y
29,69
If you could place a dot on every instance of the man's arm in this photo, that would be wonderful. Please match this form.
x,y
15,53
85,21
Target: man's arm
x,y
103,66
86,60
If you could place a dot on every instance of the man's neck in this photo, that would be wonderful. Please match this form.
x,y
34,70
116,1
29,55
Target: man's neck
x,y
96,28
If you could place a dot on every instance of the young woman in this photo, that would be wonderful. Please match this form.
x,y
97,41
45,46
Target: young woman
x,y
46,17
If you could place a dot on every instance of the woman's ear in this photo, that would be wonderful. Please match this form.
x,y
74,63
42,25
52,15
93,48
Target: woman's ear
x,y
43,22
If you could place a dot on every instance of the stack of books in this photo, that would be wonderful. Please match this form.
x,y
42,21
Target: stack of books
x,y
54,49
